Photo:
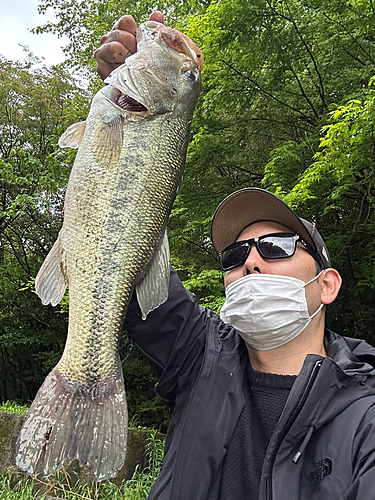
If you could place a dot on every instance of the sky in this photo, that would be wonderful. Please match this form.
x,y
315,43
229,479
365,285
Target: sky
x,y
16,17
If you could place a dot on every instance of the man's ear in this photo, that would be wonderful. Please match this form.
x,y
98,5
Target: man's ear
x,y
330,283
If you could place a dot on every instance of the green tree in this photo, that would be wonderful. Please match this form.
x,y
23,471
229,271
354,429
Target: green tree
x,y
36,106
338,190
273,70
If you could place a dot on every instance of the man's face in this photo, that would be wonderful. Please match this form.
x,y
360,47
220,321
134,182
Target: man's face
x,y
301,265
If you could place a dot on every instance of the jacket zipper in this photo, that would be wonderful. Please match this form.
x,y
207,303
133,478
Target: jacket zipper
x,y
289,424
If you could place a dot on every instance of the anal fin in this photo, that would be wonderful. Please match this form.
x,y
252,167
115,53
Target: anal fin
x,y
153,290
51,280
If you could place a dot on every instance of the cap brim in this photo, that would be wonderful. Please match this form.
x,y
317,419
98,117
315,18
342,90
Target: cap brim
x,y
247,206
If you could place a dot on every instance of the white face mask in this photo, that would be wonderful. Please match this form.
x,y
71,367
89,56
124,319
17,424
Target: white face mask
x,y
267,310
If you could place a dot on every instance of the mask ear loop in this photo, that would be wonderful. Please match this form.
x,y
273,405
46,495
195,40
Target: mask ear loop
x,y
321,305
315,278
316,312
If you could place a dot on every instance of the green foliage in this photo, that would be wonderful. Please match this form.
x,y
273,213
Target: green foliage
x,y
337,191
20,491
139,486
12,407
208,287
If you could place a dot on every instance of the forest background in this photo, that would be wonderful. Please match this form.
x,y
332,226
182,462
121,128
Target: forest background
x,y
287,104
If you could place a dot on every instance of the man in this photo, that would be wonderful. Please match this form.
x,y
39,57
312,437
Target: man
x,y
266,403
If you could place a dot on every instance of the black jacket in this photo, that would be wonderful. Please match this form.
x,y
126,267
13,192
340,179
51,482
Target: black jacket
x,y
324,444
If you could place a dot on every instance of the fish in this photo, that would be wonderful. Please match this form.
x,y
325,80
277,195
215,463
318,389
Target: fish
x,y
129,164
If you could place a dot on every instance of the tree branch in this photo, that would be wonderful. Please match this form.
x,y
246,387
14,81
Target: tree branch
x,y
264,91
309,51
38,224
351,36
197,245
304,93
25,311
354,57
26,269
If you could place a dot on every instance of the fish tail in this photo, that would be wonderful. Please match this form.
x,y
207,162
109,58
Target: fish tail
x,y
68,421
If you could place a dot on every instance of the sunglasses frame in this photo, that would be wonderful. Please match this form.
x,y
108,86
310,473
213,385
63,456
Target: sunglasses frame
x,y
296,238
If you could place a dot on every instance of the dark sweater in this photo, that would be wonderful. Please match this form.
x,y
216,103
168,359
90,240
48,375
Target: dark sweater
x,y
239,475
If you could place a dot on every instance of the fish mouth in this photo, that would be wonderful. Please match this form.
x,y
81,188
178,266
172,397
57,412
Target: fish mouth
x,y
128,103
123,92
123,100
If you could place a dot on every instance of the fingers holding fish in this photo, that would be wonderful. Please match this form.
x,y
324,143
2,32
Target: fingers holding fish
x,y
124,38
109,57
126,23
116,46
157,16
119,43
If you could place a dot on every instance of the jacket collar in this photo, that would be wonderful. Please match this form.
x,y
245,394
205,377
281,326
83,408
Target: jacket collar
x,y
351,355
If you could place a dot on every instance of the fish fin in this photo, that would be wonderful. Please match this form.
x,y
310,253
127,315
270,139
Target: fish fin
x,y
153,290
107,143
73,135
67,422
51,280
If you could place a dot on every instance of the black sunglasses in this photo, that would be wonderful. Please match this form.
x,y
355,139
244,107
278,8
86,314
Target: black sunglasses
x,y
270,246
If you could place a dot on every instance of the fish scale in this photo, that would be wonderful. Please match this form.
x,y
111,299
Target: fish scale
x,y
118,199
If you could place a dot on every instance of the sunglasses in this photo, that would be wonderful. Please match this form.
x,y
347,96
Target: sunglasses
x,y
270,246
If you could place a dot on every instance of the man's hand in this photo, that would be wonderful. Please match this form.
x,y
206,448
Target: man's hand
x,y
119,44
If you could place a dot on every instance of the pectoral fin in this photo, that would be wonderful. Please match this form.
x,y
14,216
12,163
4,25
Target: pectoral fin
x,y
73,135
107,143
51,280
152,291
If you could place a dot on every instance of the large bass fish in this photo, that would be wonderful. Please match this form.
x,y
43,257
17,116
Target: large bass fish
x,y
131,155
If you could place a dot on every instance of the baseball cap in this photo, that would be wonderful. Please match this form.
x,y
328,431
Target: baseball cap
x,y
249,205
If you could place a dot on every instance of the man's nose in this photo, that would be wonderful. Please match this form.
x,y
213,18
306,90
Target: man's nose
x,y
253,263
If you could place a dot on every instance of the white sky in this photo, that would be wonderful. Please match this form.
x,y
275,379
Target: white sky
x,y
16,17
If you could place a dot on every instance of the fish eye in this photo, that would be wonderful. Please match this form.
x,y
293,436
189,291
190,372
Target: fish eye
x,y
189,75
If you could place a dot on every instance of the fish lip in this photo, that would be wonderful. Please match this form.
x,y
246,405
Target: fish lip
x,y
172,39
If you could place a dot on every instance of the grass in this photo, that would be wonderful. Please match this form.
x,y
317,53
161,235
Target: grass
x,y
12,407
136,488
21,491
